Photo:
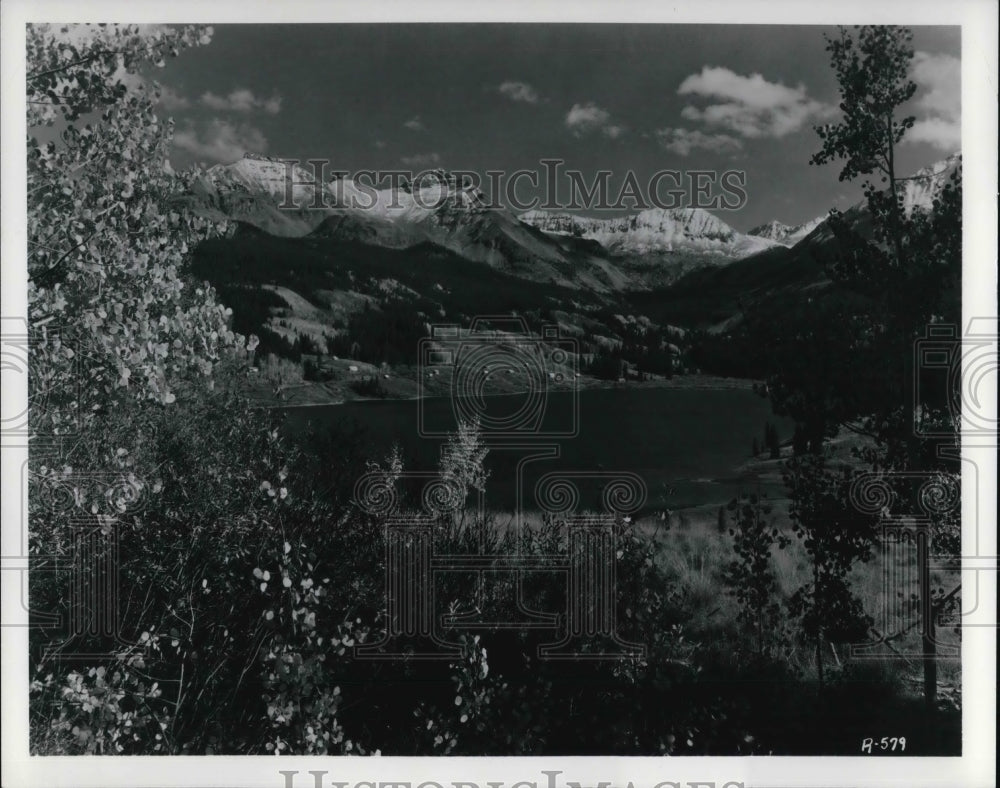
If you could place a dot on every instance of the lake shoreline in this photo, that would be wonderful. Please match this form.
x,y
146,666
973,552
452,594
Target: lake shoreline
x,y
326,394
689,445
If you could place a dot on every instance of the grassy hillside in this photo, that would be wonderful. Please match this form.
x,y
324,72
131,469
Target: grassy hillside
x,y
321,295
770,280
442,279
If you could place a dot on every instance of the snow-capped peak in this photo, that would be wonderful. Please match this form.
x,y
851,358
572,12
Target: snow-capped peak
x,y
436,192
786,235
653,230
923,187
773,229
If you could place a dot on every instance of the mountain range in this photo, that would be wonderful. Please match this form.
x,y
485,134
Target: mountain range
x,y
440,211
342,247
656,230
648,248
778,280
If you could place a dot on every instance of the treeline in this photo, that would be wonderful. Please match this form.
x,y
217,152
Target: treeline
x,y
390,334
642,350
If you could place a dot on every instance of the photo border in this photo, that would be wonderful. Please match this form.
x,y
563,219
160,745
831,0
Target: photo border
x,y
979,133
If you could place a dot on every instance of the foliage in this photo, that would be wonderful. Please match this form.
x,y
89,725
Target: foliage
x,y
911,265
736,353
771,441
370,386
106,249
750,577
607,365
826,365
312,370
835,536
461,465
873,76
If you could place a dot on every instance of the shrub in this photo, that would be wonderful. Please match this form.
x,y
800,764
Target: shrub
x,y
750,577
836,536
370,386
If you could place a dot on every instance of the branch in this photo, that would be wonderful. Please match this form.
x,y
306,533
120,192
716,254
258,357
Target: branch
x,y
858,430
52,268
39,74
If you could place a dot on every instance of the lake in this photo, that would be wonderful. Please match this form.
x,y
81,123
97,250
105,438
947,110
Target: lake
x,y
687,444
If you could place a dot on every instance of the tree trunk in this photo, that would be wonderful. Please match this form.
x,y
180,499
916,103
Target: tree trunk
x,y
819,629
913,458
915,465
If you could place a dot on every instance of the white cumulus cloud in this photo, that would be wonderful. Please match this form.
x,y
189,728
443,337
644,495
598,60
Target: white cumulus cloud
x,y
219,140
588,118
750,106
415,124
683,141
171,99
421,159
943,134
519,91
939,98
241,100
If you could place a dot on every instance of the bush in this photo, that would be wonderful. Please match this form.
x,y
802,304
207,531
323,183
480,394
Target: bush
x,y
836,536
750,577
370,386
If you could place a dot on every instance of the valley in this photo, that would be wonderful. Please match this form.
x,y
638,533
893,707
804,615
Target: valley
x,y
341,282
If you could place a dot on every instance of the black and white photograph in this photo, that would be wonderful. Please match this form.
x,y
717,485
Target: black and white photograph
x,y
451,387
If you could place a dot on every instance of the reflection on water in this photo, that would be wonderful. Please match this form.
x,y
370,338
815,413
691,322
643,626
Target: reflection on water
x,y
688,445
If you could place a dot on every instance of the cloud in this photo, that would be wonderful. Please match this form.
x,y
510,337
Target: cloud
x,y
943,134
171,99
683,141
940,76
421,159
519,91
939,96
220,140
134,83
241,100
749,106
587,118
415,124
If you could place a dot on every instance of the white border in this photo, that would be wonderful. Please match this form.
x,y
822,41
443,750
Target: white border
x,y
979,126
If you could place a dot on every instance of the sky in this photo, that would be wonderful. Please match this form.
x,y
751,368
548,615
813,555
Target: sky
x,y
480,97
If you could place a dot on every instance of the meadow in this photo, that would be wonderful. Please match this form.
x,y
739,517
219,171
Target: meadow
x,y
693,450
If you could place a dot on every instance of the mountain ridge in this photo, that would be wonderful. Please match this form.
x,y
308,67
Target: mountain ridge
x,y
691,230
638,251
285,200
